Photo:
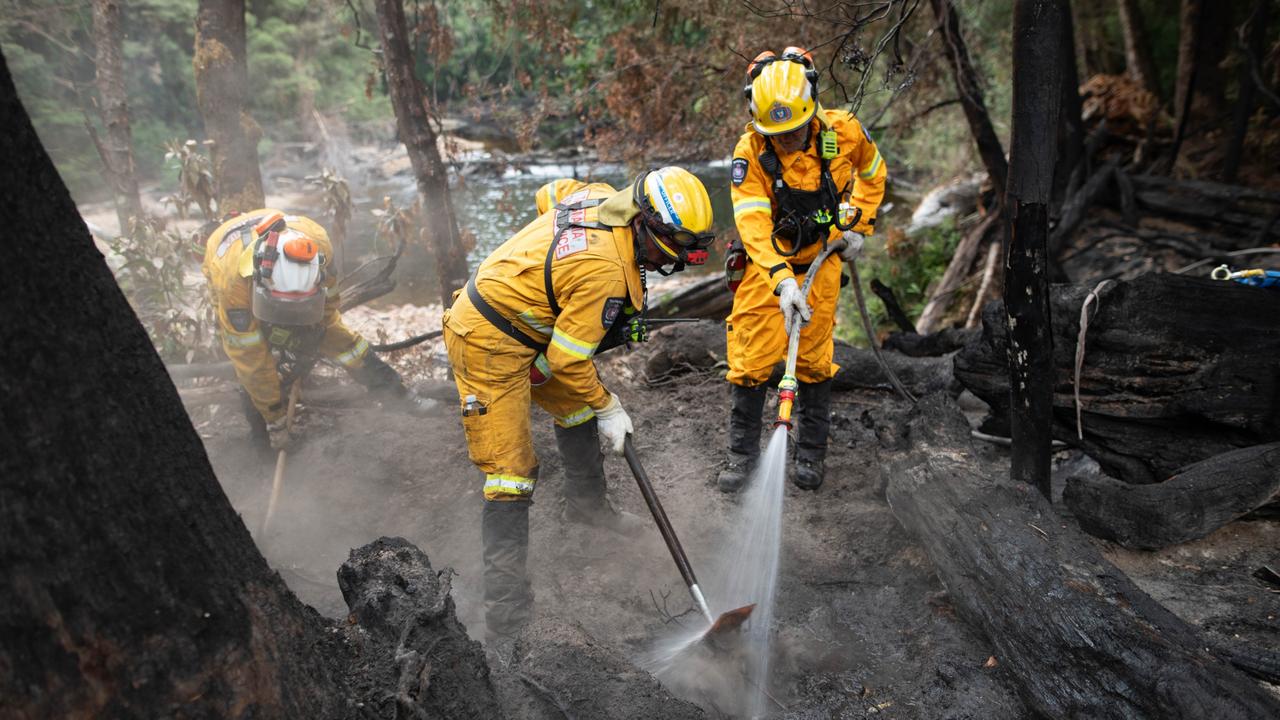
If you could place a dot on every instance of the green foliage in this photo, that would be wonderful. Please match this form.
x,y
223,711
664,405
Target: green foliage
x,y
907,265
195,178
151,266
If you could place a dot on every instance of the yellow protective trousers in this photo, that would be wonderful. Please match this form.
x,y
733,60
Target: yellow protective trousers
x,y
757,337
494,368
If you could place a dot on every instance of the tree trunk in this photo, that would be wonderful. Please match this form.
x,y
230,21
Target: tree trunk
x,y
1080,637
1188,65
419,138
117,151
1071,130
132,588
1037,78
1137,49
222,92
1259,18
975,108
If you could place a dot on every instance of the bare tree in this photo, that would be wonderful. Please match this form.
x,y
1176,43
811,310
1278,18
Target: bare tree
x,y
113,107
1037,93
1184,87
414,123
222,91
975,107
1252,39
1137,49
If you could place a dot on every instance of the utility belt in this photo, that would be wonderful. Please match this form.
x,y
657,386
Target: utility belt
x,y
496,319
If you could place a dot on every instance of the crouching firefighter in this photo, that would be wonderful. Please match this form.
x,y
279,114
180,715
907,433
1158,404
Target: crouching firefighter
x,y
526,328
801,176
269,280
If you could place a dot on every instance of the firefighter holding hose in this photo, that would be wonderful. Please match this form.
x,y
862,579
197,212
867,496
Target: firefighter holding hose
x,y
801,176
269,278
525,329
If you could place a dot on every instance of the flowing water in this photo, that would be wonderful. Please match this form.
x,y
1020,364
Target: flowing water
x,y
732,673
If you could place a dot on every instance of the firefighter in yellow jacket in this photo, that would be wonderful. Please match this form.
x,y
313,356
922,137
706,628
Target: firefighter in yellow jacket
x,y
525,329
792,171
269,279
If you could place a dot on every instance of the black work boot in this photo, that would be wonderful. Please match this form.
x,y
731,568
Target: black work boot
x,y
585,500
508,595
813,406
744,436
387,387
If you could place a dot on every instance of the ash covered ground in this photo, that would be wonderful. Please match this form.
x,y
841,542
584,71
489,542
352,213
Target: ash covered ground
x,y
862,626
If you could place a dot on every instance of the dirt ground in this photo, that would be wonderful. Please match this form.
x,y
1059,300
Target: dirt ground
x,y
863,627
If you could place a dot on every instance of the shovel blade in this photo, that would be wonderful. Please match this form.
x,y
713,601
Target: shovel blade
x,y
729,621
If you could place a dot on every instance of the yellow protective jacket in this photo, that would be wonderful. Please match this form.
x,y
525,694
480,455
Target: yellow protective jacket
x,y
245,340
857,169
566,293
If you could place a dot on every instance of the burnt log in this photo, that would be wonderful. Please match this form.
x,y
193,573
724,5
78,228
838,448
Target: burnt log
x,y
931,345
892,306
701,346
1080,638
1193,503
407,637
1237,211
1176,370
707,298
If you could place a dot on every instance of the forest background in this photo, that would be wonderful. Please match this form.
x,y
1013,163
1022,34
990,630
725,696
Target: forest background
x,y
632,83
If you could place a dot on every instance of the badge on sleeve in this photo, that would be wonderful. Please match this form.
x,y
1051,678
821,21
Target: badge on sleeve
x,y
739,170
612,308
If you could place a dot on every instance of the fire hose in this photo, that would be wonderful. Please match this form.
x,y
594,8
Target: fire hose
x,y
788,386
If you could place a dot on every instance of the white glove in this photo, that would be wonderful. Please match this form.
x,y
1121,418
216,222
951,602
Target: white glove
x,y
853,246
614,425
791,300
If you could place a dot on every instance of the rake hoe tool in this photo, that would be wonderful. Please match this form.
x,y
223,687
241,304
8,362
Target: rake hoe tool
x,y
727,621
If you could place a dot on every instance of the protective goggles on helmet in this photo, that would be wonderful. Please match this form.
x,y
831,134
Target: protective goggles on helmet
x,y
791,54
677,243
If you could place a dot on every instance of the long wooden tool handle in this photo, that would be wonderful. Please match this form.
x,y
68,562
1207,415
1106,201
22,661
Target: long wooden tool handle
x,y
664,527
277,480
659,514
871,335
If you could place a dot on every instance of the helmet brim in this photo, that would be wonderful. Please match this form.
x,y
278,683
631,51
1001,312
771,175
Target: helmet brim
x,y
784,127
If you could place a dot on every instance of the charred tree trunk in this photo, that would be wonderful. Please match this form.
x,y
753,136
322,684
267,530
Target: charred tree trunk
x,y
1197,500
1137,49
1037,72
222,92
419,138
975,108
132,587
117,150
1256,36
1188,66
1081,639
1071,128
1176,370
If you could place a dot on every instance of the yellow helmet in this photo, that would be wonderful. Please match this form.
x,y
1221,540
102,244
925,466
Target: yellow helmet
x,y
783,91
675,207
555,191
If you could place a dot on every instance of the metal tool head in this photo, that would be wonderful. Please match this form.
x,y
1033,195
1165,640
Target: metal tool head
x,y
729,621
